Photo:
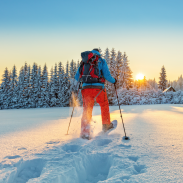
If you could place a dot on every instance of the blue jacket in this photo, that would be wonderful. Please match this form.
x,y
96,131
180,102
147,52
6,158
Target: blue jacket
x,y
102,65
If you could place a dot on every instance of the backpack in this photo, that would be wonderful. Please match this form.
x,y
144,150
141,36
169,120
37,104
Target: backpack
x,y
89,70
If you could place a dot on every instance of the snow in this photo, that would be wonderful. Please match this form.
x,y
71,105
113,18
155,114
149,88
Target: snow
x,y
34,147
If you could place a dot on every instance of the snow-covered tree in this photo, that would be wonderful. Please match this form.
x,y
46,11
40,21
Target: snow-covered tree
x,y
113,71
14,88
107,56
39,88
34,87
153,84
54,88
45,87
5,89
162,79
125,78
179,85
119,60
100,51
61,84
72,69
78,65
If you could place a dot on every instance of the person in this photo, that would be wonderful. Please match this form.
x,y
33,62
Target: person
x,y
92,92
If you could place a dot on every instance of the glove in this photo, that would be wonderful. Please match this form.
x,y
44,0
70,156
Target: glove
x,y
115,81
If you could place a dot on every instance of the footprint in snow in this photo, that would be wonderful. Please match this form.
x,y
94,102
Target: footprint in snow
x,y
71,148
139,168
12,157
124,146
27,170
102,142
53,142
133,158
22,148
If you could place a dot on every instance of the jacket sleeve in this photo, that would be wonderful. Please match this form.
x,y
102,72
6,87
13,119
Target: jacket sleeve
x,y
106,72
77,74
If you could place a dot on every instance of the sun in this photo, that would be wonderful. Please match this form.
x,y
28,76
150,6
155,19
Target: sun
x,y
139,76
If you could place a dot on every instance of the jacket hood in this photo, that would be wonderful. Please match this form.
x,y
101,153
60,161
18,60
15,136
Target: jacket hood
x,y
96,52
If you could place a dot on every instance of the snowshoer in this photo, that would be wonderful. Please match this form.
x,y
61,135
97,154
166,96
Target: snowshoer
x,y
92,73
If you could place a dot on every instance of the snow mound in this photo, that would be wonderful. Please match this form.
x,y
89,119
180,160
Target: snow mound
x,y
26,170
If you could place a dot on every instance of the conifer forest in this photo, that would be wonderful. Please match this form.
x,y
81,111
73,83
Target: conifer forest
x,y
36,87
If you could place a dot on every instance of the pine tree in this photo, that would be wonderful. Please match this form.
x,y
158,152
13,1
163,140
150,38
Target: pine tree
x,y
61,84
179,85
5,90
67,85
34,87
162,79
25,87
14,77
152,84
45,87
20,88
119,69
14,88
39,88
113,71
100,51
126,74
107,56
72,69
78,65
54,87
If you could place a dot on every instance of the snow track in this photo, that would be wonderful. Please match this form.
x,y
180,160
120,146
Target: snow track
x,y
58,158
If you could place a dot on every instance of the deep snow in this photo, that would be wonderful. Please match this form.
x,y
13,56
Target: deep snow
x,y
34,147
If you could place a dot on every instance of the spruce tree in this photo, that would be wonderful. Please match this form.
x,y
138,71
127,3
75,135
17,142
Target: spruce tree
x,y
119,59
54,87
107,56
162,79
100,51
72,69
125,74
179,85
61,84
39,89
67,85
5,89
25,87
34,87
45,87
21,88
14,88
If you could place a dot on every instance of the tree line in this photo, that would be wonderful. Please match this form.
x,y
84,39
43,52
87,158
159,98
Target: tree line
x,y
34,87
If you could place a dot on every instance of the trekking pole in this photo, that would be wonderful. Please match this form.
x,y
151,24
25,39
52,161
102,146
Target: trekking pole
x,y
72,111
126,138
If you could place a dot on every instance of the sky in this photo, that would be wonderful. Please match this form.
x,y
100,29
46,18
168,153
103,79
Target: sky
x,y
45,31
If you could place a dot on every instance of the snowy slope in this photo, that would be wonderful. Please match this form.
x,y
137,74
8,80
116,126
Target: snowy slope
x,y
34,147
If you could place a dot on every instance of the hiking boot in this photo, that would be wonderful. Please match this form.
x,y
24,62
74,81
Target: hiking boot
x,y
106,127
85,137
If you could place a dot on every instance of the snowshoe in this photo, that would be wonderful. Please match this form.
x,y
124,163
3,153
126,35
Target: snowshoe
x,y
107,128
85,137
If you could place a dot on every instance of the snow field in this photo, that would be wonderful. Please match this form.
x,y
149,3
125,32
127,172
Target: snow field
x,y
153,153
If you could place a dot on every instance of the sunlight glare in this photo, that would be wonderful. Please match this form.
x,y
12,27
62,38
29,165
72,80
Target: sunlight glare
x,y
139,76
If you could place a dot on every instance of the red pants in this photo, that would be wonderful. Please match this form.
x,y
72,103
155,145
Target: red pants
x,y
88,96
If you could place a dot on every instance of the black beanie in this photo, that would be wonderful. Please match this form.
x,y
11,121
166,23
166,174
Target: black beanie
x,y
96,49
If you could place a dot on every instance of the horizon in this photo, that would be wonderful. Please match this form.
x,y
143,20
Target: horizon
x,y
49,32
